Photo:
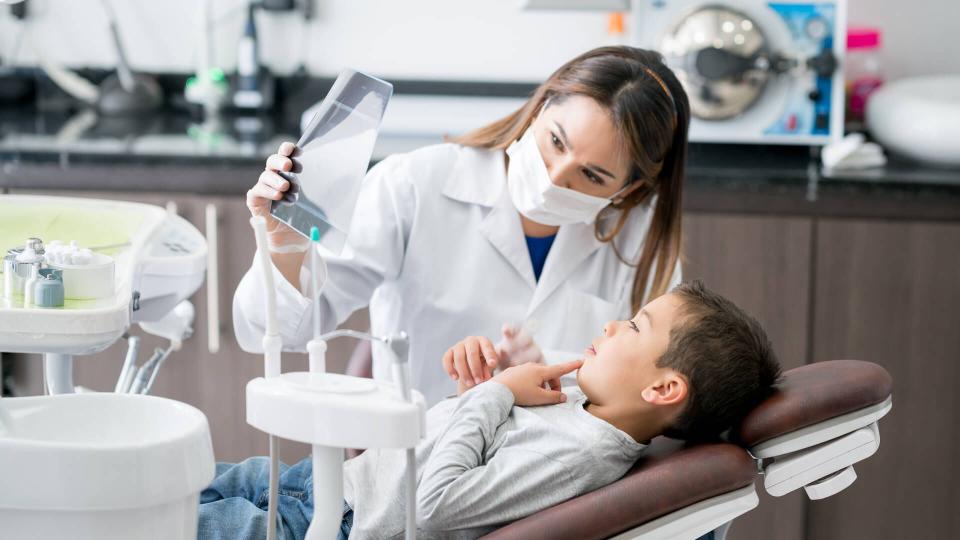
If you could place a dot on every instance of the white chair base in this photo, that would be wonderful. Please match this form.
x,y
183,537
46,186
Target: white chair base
x,y
697,519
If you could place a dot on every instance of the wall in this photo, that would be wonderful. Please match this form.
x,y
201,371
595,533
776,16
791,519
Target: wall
x,y
432,39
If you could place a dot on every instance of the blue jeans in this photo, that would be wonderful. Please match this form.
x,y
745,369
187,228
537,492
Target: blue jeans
x,y
234,506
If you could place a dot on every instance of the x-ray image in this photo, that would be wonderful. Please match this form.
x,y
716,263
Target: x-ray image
x,y
332,157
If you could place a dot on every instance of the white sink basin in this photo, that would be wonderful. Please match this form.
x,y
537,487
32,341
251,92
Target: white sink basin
x,y
102,466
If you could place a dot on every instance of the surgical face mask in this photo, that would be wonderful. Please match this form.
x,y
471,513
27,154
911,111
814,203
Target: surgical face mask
x,y
537,197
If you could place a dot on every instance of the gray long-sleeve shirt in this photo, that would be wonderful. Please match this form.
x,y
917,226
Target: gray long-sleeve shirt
x,y
485,463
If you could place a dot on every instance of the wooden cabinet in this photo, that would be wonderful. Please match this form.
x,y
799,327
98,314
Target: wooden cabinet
x,y
885,292
889,292
763,265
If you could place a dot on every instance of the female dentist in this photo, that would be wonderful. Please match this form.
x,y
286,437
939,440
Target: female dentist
x,y
566,213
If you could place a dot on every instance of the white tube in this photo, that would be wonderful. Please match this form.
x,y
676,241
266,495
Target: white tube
x,y
272,346
317,351
274,492
213,279
259,225
327,493
411,478
317,286
133,348
402,379
271,340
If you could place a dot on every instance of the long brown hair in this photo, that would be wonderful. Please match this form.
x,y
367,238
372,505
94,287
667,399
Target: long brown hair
x,y
650,109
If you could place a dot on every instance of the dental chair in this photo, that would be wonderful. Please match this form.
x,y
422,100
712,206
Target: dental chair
x,y
820,421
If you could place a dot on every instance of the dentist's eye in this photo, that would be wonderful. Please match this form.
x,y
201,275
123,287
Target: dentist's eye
x,y
592,177
556,141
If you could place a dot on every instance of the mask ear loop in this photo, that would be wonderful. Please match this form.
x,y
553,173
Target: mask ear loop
x,y
617,198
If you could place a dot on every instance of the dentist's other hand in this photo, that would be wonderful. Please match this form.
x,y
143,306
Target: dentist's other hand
x,y
526,382
517,347
470,362
271,187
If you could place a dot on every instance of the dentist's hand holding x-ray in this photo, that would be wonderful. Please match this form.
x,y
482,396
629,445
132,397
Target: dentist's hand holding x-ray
x,y
563,215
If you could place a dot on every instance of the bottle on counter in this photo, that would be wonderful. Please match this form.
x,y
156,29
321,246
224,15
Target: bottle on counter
x,y
863,71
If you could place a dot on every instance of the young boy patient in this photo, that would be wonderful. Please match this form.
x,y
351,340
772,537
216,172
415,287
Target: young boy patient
x,y
690,364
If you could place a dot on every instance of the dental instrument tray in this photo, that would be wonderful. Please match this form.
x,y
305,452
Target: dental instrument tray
x,y
158,259
332,157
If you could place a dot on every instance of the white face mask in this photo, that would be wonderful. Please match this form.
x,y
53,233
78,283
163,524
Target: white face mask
x,y
537,197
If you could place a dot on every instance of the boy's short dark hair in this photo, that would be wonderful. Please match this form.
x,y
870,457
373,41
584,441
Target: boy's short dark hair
x,y
726,357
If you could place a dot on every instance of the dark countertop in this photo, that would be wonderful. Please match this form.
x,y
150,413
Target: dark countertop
x,y
172,153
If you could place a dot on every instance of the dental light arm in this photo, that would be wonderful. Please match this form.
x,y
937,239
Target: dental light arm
x,y
271,339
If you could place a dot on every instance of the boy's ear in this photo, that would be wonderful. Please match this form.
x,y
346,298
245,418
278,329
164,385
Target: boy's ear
x,y
670,389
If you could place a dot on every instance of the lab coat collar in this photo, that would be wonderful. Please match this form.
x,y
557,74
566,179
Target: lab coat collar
x,y
503,229
574,244
479,176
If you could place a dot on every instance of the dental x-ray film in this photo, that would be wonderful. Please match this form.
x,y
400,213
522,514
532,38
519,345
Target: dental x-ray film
x,y
332,157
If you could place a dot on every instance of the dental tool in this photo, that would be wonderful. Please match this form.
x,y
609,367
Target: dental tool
x,y
143,375
127,372
272,345
318,271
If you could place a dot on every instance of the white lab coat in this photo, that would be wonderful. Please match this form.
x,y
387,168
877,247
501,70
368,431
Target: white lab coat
x,y
436,249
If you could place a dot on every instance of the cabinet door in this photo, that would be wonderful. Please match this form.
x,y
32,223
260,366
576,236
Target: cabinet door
x,y
889,293
763,265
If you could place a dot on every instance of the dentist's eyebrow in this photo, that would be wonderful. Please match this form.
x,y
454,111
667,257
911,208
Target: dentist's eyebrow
x,y
566,142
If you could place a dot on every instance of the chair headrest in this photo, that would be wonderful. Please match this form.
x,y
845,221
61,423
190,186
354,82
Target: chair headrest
x,y
814,393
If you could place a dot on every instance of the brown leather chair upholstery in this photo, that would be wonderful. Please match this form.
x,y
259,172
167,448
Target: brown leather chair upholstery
x,y
813,393
668,477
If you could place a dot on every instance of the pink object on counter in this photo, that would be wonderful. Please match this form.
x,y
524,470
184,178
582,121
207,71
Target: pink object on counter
x,y
863,71
863,38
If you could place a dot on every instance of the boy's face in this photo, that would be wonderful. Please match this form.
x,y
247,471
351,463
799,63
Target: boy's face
x,y
620,366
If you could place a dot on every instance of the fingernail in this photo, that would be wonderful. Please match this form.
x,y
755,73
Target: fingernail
x,y
563,397
456,377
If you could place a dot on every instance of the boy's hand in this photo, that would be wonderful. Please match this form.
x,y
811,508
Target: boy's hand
x,y
526,382
470,362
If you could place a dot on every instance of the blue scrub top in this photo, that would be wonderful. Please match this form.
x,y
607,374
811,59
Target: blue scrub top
x,y
539,248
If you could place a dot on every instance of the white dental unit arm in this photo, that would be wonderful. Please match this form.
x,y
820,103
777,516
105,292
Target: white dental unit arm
x,y
126,467
330,411
154,262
